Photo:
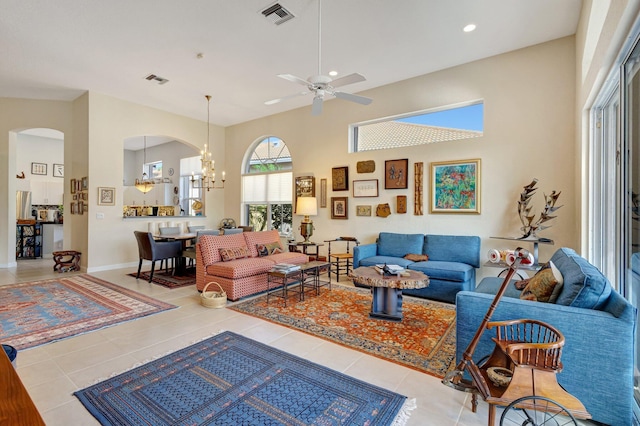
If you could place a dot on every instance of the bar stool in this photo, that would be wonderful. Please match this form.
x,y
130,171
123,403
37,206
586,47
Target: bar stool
x,y
340,262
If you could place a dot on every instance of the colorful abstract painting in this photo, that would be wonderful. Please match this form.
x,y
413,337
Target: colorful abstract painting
x,y
455,186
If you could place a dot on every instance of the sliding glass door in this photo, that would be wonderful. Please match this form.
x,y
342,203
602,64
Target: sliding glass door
x,y
614,205
630,188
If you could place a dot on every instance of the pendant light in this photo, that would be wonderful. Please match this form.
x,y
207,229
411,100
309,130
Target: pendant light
x,y
145,185
208,179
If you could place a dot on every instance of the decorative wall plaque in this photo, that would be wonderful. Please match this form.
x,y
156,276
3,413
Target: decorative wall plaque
x,y
366,166
383,210
418,169
401,204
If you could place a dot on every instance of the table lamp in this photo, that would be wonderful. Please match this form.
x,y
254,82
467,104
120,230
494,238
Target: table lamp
x,y
306,206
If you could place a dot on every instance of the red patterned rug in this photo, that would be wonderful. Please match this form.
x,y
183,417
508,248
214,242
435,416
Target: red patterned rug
x,y
424,340
168,280
39,312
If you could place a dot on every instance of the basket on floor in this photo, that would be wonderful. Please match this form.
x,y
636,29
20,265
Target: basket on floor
x,y
213,299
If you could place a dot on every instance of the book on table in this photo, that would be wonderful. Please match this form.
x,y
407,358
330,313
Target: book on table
x,y
285,267
392,269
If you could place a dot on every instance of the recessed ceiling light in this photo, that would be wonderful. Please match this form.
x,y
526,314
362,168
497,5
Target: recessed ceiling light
x,y
469,28
333,73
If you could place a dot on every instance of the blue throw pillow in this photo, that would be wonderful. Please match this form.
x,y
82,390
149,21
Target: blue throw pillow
x,y
584,285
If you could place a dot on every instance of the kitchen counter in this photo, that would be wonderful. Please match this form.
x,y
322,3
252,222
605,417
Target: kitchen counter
x,y
52,237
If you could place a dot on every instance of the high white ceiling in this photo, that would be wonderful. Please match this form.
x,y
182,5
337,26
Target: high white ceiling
x,y
60,49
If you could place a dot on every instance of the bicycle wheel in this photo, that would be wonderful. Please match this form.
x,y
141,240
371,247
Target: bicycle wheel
x,y
536,411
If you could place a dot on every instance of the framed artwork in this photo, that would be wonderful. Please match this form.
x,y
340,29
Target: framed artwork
x,y
85,183
340,178
365,188
455,186
58,170
74,186
323,193
363,210
80,207
305,187
395,174
38,169
339,208
74,207
106,196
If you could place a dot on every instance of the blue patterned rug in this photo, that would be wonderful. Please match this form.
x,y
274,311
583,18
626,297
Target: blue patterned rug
x,y
39,312
232,380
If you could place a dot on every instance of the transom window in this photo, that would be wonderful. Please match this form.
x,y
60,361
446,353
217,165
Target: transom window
x,y
444,124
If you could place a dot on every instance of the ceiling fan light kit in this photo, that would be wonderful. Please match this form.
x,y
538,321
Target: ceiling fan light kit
x,y
321,85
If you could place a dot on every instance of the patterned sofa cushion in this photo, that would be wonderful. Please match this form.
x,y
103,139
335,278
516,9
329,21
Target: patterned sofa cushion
x,y
254,238
289,257
211,245
241,268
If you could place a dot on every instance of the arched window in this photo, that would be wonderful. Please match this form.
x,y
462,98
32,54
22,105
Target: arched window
x,y
267,184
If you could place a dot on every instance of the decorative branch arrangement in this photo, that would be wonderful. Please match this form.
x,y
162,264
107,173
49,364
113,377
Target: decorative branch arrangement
x,y
529,227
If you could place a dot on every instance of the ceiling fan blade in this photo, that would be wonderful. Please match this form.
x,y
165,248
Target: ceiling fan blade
x,y
316,108
348,79
284,98
294,79
353,98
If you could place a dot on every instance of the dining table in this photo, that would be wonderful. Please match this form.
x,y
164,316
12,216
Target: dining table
x,y
186,239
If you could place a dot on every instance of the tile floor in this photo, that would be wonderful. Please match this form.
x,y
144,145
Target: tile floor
x,y
52,372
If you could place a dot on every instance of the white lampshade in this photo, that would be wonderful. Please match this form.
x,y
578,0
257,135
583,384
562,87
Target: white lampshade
x,y
307,206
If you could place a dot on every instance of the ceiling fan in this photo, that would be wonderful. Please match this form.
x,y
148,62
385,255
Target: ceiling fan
x,y
322,85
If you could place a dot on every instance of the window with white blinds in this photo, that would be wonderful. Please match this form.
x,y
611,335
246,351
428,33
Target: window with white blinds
x,y
267,188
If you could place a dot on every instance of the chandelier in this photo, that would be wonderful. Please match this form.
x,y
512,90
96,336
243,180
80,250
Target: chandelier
x,y
208,179
145,185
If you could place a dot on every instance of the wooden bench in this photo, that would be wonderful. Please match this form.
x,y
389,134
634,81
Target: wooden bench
x,y
68,260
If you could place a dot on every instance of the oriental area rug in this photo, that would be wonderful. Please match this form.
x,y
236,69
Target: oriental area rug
x,y
424,340
229,379
166,279
39,312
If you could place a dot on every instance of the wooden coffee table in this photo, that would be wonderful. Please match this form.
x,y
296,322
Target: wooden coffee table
x,y
387,290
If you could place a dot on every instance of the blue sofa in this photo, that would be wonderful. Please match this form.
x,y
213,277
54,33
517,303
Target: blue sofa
x,y
451,265
598,325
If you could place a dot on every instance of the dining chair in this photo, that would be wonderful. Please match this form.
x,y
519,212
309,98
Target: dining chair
x,y
169,230
343,261
150,249
229,231
194,228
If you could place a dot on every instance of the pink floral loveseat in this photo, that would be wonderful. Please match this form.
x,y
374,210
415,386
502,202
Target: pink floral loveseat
x,y
234,262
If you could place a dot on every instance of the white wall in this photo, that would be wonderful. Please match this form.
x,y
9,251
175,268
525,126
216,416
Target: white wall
x,y
529,131
105,247
38,149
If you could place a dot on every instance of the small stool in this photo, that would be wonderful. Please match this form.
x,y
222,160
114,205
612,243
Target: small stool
x,y
67,260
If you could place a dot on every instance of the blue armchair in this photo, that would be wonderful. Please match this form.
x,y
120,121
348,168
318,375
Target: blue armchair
x,y
598,325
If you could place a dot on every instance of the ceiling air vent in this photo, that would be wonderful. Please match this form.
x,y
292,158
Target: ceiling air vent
x,y
277,14
157,79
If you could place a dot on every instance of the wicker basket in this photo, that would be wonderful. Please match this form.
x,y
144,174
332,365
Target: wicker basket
x,y
213,299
